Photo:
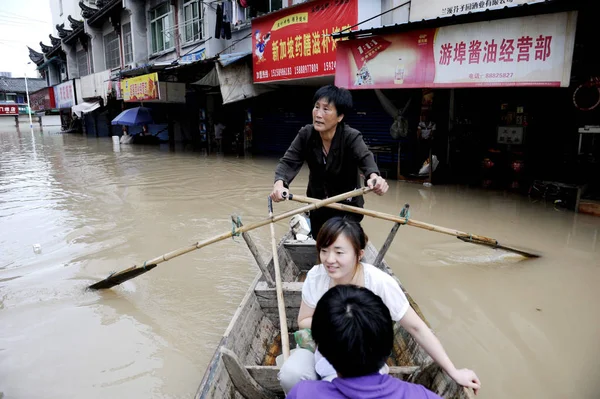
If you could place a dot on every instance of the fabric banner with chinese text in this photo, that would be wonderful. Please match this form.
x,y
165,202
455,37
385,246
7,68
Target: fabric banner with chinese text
x,y
64,95
528,51
42,99
295,43
141,88
431,9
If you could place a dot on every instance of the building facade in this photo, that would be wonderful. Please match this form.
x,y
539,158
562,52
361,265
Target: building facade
x,y
255,65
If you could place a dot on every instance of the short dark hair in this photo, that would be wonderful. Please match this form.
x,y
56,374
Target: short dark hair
x,y
337,225
353,330
338,96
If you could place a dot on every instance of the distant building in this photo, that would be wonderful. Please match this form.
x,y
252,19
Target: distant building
x,y
6,74
13,89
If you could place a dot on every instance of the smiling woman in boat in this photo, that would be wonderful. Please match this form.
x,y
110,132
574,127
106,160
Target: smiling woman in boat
x,y
341,244
334,152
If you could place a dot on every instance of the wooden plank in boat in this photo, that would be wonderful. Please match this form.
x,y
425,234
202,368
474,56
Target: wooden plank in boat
x,y
241,379
239,337
289,270
267,296
304,253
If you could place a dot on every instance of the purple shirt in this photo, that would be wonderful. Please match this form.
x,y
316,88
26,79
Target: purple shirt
x,y
374,386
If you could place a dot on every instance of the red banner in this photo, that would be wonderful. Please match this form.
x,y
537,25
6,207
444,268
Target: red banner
x,y
295,43
9,109
42,99
526,51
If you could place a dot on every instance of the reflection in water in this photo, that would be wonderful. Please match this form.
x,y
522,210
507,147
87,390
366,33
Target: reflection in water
x,y
528,328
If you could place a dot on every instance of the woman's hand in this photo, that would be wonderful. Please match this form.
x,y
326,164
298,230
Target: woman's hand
x,y
467,378
279,191
378,184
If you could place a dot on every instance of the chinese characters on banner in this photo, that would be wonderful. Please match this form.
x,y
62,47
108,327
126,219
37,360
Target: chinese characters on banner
x,y
42,99
431,9
64,95
141,88
528,51
9,109
295,43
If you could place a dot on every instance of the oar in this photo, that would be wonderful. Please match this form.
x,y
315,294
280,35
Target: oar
x,y
466,237
134,271
285,339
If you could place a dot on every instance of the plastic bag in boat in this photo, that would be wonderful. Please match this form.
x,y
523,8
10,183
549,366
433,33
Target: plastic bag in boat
x,y
305,340
300,226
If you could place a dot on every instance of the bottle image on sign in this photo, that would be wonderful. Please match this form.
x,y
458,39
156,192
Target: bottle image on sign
x,y
399,73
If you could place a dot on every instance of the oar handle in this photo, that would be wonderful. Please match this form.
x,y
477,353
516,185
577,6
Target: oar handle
x,y
238,230
401,220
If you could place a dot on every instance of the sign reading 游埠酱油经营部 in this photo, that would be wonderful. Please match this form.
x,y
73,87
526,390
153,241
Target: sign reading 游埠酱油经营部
x,y
526,51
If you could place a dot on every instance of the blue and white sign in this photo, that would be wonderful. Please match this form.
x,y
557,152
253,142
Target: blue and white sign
x,y
197,56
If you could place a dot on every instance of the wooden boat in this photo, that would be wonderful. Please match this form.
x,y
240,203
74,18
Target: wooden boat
x,y
243,365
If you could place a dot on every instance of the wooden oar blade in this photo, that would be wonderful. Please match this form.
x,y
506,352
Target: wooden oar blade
x,y
118,278
498,246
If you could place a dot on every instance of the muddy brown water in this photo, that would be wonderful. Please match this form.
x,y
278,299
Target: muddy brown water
x,y
529,329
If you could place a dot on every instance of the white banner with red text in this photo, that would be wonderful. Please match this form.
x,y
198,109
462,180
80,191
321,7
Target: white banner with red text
x,y
527,51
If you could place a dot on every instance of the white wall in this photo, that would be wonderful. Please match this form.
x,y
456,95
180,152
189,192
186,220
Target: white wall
x,y
366,10
70,7
139,30
398,16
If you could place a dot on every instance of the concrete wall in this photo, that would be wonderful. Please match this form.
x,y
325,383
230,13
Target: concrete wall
x,y
398,16
139,30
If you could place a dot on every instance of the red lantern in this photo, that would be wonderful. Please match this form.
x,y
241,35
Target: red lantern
x,y
517,166
488,163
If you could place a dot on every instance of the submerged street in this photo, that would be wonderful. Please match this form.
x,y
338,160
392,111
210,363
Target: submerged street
x,y
528,328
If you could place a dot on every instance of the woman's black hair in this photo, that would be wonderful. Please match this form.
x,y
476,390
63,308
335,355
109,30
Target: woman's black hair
x,y
353,329
337,225
340,97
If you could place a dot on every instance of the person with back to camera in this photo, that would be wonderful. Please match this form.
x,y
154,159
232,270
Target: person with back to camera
x,y
340,246
334,153
354,331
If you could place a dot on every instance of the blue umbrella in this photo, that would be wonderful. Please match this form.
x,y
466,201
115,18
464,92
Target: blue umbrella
x,y
134,117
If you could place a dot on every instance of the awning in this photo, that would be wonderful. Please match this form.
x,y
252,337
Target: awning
x,y
236,83
211,79
228,59
85,108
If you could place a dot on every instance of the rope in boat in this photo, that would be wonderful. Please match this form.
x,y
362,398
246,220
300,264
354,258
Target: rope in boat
x,y
405,213
234,226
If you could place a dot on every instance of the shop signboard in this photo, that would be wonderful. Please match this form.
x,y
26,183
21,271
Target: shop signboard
x,y
197,56
141,88
528,51
64,95
9,109
295,42
42,99
431,9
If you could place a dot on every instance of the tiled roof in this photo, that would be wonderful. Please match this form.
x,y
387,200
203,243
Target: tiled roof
x,y
17,85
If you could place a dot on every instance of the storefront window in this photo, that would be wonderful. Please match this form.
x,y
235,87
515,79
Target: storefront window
x,y
112,58
127,44
160,28
261,7
193,21
82,63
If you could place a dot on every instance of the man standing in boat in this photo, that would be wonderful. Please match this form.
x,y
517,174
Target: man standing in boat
x,y
335,154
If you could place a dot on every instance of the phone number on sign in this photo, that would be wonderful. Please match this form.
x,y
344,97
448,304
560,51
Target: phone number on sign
x,y
504,75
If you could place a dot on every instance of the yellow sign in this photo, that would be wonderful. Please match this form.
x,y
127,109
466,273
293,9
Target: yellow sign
x,y
141,88
299,18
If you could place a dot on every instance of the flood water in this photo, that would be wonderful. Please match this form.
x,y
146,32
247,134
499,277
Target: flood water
x,y
530,329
